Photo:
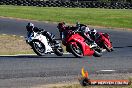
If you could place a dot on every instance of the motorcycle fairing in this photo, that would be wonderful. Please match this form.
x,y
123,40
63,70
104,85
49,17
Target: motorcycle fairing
x,y
76,38
43,39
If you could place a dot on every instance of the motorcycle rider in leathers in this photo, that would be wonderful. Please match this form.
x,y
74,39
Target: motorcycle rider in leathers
x,y
30,28
81,28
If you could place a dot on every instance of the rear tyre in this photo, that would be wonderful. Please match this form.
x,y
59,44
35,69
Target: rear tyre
x,y
59,51
76,50
38,47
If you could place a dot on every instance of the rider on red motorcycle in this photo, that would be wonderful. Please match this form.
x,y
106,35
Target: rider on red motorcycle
x,y
81,28
93,34
85,31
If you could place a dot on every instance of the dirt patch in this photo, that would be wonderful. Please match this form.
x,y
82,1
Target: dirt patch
x,y
13,45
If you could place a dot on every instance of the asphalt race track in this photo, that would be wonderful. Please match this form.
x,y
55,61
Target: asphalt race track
x,y
31,70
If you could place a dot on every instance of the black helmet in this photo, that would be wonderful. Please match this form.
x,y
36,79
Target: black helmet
x,y
30,27
61,26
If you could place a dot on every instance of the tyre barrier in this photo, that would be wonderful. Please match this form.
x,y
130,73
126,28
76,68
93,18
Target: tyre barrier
x,y
90,4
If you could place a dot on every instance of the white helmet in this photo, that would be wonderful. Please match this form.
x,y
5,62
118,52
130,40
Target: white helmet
x,y
85,29
93,31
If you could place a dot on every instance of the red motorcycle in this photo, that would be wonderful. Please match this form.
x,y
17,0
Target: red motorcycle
x,y
103,41
76,45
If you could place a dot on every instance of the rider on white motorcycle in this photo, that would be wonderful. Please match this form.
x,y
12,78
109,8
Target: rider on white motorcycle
x,y
30,28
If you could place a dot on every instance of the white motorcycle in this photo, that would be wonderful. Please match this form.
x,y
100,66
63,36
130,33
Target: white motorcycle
x,y
41,44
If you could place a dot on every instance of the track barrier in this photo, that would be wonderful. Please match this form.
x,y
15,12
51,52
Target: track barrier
x,y
70,4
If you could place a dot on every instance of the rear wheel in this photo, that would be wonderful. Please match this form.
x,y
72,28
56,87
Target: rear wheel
x,y
76,50
38,47
59,51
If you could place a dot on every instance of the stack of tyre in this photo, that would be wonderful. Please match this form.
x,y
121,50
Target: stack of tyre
x,y
90,4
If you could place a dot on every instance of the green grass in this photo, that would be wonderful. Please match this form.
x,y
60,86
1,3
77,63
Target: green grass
x,y
119,18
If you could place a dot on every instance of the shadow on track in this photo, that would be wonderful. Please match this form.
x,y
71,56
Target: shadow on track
x,y
123,46
35,56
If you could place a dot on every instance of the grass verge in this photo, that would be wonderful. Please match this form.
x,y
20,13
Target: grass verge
x,y
94,86
79,86
11,45
119,18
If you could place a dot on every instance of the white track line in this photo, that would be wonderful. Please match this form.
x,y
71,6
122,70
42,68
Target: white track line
x,y
27,54
106,70
22,36
4,34
14,35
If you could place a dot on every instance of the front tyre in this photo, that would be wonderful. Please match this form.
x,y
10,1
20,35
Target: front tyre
x,y
38,47
107,48
97,53
76,50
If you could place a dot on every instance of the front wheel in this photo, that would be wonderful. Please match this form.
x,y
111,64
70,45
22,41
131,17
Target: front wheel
x,y
107,48
97,53
38,47
76,50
